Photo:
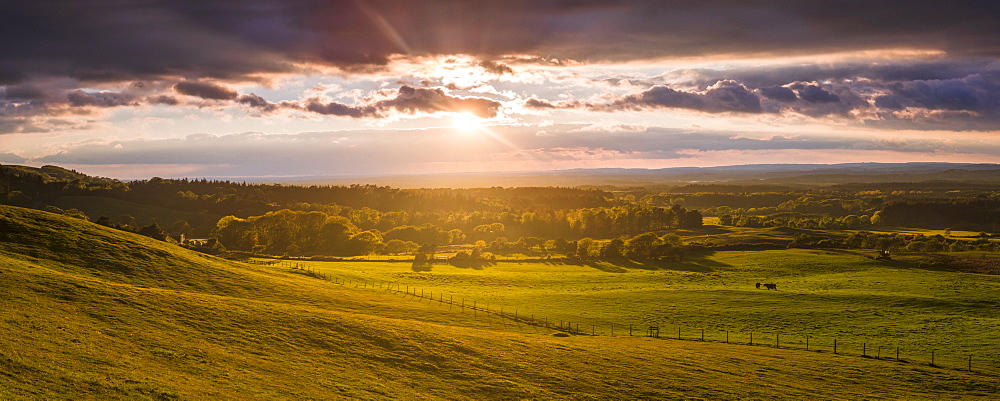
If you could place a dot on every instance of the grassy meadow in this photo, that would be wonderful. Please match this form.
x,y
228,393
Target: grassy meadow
x,y
93,313
823,294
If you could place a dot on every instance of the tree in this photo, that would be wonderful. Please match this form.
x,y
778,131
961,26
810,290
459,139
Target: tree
x,y
365,242
396,247
583,247
127,222
641,246
153,231
613,249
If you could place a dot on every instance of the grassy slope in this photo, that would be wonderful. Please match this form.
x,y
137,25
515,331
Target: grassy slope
x,y
89,312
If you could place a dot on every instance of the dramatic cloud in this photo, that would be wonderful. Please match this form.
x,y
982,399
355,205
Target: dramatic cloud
x,y
131,39
79,98
340,109
779,93
724,96
205,90
561,81
25,92
963,95
410,100
496,68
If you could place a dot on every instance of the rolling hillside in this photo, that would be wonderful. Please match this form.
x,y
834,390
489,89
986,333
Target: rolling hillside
x,y
93,313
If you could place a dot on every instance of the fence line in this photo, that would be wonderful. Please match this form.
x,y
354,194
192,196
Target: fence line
x,y
801,342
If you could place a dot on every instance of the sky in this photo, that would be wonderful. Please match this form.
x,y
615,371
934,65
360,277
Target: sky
x,y
280,88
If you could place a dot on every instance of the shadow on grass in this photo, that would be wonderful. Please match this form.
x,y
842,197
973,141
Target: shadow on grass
x,y
705,230
697,263
422,267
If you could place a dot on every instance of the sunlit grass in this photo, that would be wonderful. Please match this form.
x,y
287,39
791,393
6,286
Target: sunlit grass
x,y
93,313
822,294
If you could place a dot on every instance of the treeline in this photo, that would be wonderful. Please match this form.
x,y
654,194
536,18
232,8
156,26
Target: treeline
x,y
368,206
896,242
181,230
319,232
979,214
25,185
832,205
799,220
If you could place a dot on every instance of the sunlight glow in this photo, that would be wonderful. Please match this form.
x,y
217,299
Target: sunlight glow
x,y
467,122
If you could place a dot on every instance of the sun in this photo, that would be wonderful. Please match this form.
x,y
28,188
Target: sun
x,y
467,121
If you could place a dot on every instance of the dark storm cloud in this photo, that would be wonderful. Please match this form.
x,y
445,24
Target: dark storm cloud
x,y
254,101
205,90
79,98
978,93
962,94
163,99
815,94
201,42
129,39
881,71
22,92
779,93
339,109
724,96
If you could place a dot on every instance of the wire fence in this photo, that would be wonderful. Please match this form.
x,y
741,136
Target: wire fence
x,y
877,349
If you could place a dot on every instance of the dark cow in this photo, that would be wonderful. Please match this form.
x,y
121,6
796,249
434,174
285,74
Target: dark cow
x,y
758,286
771,286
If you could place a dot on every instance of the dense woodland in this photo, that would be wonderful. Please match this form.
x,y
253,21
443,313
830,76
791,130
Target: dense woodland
x,y
582,223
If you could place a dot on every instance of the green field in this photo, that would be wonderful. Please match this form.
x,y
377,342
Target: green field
x,y
93,313
824,294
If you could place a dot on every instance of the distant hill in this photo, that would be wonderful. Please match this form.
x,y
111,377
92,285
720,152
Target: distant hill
x,y
755,174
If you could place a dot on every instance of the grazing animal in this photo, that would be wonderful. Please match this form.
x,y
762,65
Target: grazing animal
x,y
758,286
771,286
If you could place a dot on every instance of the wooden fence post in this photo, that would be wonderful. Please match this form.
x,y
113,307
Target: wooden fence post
x,y
727,336
776,337
834,345
702,334
807,343
751,338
